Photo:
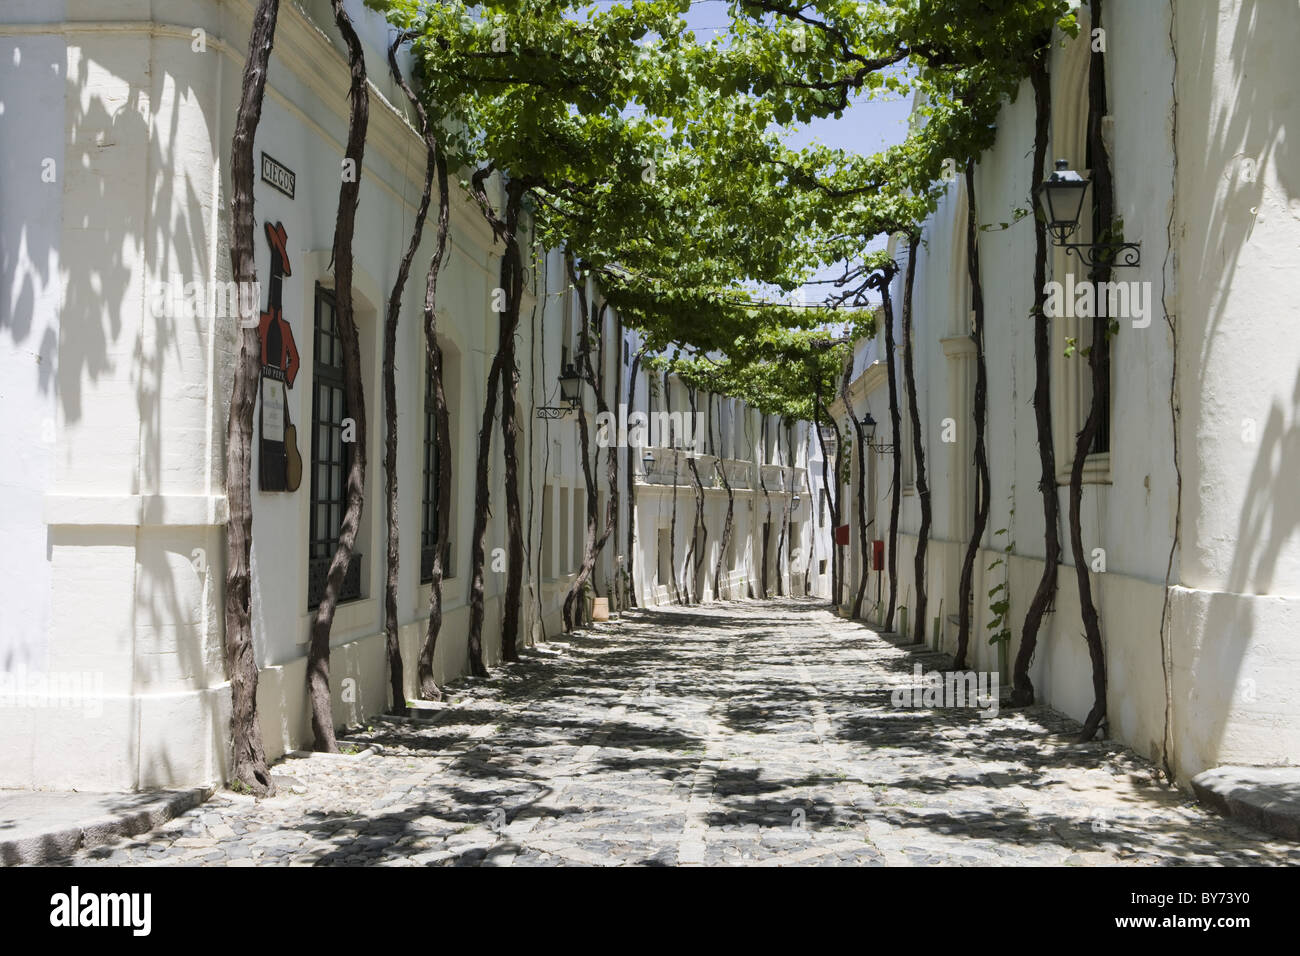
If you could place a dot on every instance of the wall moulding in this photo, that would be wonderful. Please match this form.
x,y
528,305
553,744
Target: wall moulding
x,y
174,511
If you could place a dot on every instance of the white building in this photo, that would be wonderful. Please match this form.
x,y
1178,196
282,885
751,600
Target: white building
x,y
677,449
1201,100
115,130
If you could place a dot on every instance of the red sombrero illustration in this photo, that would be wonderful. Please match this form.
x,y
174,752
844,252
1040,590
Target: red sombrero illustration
x,y
278,348
277,237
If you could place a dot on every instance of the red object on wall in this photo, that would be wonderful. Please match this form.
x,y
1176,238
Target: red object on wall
x,y
877,555
842,535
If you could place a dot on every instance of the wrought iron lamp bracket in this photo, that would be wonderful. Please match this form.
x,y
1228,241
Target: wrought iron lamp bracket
x,y
1105,254
552,412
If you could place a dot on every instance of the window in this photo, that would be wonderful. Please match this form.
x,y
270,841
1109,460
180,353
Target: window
x,y
566,330
1101,440
547,539
565,546
908,454
727,445
663,552
330,458
578,538
429,488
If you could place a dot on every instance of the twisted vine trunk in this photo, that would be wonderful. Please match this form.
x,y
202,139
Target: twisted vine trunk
x,y
781,533
318,654
442,417
1099,365
593,544
982,491
699,531
620,585
478,540
918,445
780,552
538,328
767,499
819,412
502,365
248,757
807,565
597,382
672,526
688,592
789,511
725,540
694,555
896,426
510,446
573,599
631,489
393,556
785,544
864,546
1022,688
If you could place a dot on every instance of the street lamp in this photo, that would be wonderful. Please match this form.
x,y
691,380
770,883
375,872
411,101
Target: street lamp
x,y
869,426
1061,203
1062,200
571,386
570,392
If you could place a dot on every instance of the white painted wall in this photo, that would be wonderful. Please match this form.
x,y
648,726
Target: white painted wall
x,y
114,506
1229,285
116,525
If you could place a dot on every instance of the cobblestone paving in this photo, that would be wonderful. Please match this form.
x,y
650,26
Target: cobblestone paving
x,y
746,733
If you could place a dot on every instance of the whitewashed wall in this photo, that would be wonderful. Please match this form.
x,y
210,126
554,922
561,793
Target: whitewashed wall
x,y
1228,285
114,508
118,523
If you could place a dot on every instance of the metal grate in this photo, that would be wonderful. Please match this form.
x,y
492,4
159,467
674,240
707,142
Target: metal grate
x,y
318,572
1101,440
330,458
429,488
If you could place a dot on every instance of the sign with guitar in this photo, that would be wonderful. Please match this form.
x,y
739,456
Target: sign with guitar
x,y
281,463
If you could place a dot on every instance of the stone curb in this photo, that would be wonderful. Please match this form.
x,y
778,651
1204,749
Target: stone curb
x,y
366,751
1267,798
44,848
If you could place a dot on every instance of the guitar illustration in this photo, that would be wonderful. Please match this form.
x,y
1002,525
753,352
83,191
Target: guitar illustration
x,y
281,463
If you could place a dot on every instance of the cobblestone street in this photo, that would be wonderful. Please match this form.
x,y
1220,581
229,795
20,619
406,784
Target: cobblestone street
x,y
749,733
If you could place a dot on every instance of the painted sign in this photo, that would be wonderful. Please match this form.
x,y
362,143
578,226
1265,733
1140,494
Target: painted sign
x,y
278,175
